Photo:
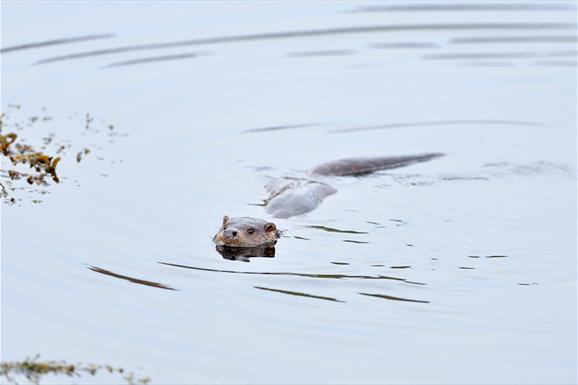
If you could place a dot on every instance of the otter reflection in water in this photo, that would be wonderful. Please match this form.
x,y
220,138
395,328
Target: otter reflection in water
x,y
245,253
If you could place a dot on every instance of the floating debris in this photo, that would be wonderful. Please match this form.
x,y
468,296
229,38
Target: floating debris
x,y
6,141
43,164
33,370
37,163
80,154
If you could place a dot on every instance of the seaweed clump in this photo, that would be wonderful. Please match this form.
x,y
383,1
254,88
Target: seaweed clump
x,y
27,168
33,370
44,165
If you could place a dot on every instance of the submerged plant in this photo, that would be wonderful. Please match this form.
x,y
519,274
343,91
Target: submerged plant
x,y
6,141
37,163
44,165
33,370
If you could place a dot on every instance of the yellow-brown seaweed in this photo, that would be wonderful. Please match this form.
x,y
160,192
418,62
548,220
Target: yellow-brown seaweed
x,y
34,370
6,141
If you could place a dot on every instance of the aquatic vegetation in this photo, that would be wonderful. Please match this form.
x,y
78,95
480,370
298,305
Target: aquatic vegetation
x,y
80,154
37,163
3,192
6,141
33,370
43,164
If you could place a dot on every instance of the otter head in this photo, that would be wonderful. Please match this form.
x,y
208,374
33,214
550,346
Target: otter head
x,y
246,232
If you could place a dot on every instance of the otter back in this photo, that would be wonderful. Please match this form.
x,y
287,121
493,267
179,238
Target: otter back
x,y
294,196
290,197
364,166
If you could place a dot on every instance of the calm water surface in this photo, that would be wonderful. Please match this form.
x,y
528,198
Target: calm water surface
x,y
460,270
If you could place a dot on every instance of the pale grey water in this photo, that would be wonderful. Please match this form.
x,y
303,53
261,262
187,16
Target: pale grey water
x,y
503,112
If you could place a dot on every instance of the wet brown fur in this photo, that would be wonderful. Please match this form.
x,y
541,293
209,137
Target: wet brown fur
x,y
246,232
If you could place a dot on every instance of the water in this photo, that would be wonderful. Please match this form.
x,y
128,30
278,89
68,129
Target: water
x,y
413,296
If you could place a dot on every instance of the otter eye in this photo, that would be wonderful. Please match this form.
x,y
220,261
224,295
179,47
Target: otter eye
x,y
251,230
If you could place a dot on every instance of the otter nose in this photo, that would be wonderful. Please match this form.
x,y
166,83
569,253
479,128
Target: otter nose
x,y
230,233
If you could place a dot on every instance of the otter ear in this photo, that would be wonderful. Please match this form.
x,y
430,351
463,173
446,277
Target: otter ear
x,y
270,226
225,220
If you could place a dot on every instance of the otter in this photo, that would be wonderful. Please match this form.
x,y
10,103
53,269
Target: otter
x,y
289,197
246,232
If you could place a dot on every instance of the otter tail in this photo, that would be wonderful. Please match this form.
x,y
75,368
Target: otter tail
x,y
365,166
